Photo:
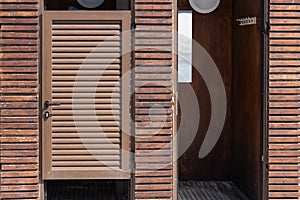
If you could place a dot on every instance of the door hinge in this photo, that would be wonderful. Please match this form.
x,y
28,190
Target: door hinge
x,y
267,28
267,166
133,26
263,160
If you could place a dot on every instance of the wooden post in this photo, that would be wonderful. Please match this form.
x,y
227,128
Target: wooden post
x,y
154,99
284,104
19,99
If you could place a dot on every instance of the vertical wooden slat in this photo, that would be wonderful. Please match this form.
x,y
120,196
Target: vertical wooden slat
x,y
284,100
19,99
154,99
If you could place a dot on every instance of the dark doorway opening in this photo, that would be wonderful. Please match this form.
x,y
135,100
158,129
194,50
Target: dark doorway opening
x,y
87,190
237,157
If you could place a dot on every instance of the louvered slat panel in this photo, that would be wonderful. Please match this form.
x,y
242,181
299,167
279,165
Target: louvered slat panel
x,y
284,104
19,100
82,33
83,58
154,110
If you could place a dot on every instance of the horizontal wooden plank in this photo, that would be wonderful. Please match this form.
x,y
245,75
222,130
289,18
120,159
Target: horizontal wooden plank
x,y
18,77
107,141
80,32
154,7
23,153
85,146
284,180
85,164
153,159
19,195
19,188
142,180
86,152
19,174
284,167
153,187
18,27
146,146
283,132
284,195
19,90
17,160
85,118
20,1
21,167
25,63
19,98
286,139
8,105
283,146
78,123
152,195
84,158
79,89
19,181
27,139
85,26
16,49
153,13
85,129
19,132
19,112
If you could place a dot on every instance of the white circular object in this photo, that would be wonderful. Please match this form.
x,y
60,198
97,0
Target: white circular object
x,y
204,6
90,3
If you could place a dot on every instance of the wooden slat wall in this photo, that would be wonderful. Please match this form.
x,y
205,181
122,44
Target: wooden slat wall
x,y
154,64
19,99
284,100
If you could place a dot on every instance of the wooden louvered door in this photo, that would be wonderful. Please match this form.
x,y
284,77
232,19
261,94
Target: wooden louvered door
x,y
85,56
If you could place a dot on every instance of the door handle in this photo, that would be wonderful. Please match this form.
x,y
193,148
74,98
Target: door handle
x,y
48,104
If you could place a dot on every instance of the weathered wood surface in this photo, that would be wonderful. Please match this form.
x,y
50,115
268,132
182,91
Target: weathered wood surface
x,y
154,111
284,104
216,38
19,148
75,144
246,101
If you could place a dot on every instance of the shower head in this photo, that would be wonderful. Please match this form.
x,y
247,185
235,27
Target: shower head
x,y
90,3
204,6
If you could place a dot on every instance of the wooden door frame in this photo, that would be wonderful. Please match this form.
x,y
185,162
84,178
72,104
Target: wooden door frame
x,y
47,17
175,99
265,6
